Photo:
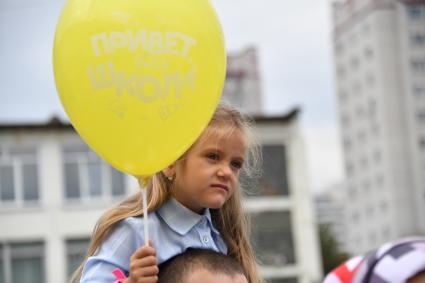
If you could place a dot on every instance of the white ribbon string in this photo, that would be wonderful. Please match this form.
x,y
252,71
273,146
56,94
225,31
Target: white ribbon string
x,y
145,213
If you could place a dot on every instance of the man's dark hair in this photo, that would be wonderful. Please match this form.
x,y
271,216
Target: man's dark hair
x,y
177,268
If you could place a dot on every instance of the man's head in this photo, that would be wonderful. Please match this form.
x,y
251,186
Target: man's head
x,y
201,266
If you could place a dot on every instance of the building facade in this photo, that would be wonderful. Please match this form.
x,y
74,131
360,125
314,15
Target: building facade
x,y
379,48
53,189
242,88
330,211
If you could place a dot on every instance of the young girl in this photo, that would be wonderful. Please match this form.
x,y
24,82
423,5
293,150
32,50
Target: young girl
x,y
193,203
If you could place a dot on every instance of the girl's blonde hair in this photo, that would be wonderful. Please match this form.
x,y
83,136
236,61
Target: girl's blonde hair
x,y
229,219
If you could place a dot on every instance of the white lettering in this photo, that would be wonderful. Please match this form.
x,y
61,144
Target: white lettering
x,y
95,42
118,40
147,88
154,42
139,39
171,43
101,77
188,42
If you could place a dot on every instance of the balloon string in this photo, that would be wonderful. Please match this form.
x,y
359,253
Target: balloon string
x,y
143,181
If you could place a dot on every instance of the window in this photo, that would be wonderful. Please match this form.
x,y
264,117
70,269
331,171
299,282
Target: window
x,y
22,262
353,39
366,186
354,63
422,143
369,211
345,121
419,91
352,192
418,65
372,107
366,29
89,177
355,218
18,175
421,116
271,237
339,48
386,233
416,11
76,249
359,241
368,53
360,112
364,163
349,169
274,178
361,137
2,264
341,72
343,95
379,180
7,183
377,156
375,129
370,80
347,144
357,87
417,39
384,206
372,238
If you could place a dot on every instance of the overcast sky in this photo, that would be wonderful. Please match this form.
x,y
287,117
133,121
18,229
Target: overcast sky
x,y
293,39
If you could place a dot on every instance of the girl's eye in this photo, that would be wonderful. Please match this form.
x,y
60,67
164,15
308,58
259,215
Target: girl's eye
x,y
212,156
236,164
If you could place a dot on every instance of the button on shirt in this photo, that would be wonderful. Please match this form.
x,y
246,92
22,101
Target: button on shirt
x,y
173,228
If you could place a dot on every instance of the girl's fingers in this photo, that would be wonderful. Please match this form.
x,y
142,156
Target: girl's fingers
x,y
143,265
143,262
149,271
151,279
143,252
145,272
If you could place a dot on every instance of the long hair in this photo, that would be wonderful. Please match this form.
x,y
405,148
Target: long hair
x,y
229,219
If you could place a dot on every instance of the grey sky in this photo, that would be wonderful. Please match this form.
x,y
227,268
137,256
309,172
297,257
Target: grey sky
x,y
293,39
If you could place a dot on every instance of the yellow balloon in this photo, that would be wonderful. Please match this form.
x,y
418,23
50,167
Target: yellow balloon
x,y
139,79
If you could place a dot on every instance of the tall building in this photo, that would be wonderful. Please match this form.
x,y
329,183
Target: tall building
x,y
242,88
330,211
379,48
53,189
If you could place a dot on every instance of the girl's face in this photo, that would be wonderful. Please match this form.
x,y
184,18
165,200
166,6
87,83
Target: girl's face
x,y
208,176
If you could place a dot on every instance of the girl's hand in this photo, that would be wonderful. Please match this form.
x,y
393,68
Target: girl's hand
x,y
143,266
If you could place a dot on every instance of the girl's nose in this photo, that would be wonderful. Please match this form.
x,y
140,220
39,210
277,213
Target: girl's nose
x,y
224,171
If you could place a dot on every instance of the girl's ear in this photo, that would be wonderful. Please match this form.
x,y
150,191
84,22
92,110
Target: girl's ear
x,y
170,171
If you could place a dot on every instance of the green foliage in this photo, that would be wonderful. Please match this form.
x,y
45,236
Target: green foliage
x,y
332,256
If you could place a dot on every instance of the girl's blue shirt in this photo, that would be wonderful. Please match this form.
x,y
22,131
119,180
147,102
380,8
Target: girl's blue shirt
x,y
173,228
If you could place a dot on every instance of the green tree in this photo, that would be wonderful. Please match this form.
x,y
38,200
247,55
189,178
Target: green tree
x,y
332,256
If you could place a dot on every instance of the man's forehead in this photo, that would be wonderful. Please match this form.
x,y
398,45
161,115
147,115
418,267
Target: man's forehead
x,y
205,276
